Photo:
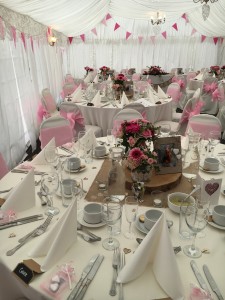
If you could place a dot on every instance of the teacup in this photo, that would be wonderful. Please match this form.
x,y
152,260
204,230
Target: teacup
x,y
73,163
92,213
218,215
211,164
100,151
151,217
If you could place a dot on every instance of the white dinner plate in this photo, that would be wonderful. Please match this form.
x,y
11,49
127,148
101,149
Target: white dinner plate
x,y
213,224
82,168
100,157
82,222
221,169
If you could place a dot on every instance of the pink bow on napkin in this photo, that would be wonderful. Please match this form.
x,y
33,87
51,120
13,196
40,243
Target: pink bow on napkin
x,y
197,293
210,88
188,113
73,117
42,113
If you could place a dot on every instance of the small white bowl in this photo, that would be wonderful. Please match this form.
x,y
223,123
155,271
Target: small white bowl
x,y
92,213
218,215
175,201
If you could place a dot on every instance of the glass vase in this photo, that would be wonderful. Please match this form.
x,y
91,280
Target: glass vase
x,y
141,176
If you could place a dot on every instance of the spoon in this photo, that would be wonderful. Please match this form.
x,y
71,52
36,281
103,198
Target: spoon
x,y
192,192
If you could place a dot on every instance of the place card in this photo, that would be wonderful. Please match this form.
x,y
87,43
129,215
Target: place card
x,y
26,270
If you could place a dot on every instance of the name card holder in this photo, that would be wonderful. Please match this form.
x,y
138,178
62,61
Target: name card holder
x,y
26,270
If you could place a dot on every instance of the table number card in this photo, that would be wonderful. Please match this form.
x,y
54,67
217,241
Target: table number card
x,y
210,189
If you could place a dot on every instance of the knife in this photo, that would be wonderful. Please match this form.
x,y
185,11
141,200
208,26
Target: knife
x,y
26,172
212,282
22,221
84,274
199,277
90,276
67,150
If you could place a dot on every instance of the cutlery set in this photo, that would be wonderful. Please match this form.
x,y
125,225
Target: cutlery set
x,y
86,234
26,172
21,221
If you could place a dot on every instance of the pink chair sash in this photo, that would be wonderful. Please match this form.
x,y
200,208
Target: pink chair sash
x,y
202,128
42,113
73,117
179,81
3,167
210,87
174,93
144,115
216,96
50,103
188,112
62,135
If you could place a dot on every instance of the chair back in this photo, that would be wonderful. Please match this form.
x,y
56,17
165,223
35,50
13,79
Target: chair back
x,y
72,113
127,114
203,124
173,91
48,101
136,77
137,106
180,79
190,75
141,86
57,127
69,78
69,88
3,167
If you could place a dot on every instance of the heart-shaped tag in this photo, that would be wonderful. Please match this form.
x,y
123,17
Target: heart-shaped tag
x,y
175,151
126,250
178,156
211,188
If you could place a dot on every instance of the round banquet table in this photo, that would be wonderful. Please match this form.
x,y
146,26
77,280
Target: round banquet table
x,y
103,116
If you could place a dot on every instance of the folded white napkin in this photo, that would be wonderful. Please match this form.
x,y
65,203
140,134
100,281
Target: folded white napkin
x,y
77,94
97,100
156,249
22,197
87,79
184,142
109,78
89,139
199,76
58,240
151,95
40,157
96,79
124,100
161,93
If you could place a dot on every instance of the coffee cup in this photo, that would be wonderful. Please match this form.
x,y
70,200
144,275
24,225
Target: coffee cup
x,y
92,213
73,163
211,164
100,151
151,217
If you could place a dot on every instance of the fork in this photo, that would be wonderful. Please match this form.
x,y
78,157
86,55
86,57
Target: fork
x,y
122,264
5,191
115,265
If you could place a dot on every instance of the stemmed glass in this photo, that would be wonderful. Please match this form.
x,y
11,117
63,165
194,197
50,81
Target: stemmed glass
x,y
49,185
196,217
111,213
110,137
51,156
131,209
165,130
214,139
81,144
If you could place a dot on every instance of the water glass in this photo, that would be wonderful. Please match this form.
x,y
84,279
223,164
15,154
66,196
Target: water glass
x,y
214,140
165,129
110,137
67,191
131,209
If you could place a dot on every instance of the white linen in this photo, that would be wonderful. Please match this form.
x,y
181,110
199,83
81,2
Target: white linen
x,y
151,95
97,100
156,249
39,159
87,79
96,79
124,100
89,139
161,93
109,78
199,76
22,197
77,94
76,90
58,240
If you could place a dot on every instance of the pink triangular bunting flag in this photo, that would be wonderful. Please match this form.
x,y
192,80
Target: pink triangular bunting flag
x,y
116,26
23,39
221,40
203,37
108,16
152,39
94,31
128,34
104,22
140,38
2,29
164,34
13,30
82,36
70,38
175,26
184,16
193,31
49,31
215,40
32,43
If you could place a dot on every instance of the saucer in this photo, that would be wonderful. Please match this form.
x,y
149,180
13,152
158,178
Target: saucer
x,y
223,190
213,224
82,168
100,157
82,222
221,169
140,225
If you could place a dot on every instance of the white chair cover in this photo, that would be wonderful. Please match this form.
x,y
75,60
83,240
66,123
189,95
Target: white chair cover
x,y
221,117
69,78
69,88
190,75
3,167
137,106
48,101
127,114
210,106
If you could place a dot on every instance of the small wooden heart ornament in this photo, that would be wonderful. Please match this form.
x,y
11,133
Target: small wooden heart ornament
x,y
126,250
211,188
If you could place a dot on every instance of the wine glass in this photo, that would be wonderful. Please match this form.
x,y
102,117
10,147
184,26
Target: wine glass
x,y
196,217
51,156
49,185
81,143
111,213
138,189
214,139
110,136
131,209
165,129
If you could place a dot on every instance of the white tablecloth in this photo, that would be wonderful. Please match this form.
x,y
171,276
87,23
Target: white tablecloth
x,y
144,288
195,84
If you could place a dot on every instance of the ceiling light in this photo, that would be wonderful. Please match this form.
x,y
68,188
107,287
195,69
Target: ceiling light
x,y
205,7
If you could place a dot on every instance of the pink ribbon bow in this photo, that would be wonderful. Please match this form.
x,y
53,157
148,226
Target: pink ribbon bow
x,y
210,88
179,81
73,117
42,113
188,113
216,96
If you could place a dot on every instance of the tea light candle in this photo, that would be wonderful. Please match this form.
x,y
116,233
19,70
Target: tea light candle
x,y
102,186
157,202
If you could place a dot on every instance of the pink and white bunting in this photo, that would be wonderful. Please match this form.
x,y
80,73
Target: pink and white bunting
x,y
164,34
128,34
82,36
94,31
184,16
13,31
70,38
104,22
193,31
108,16
175,26
116,26
152,39
23,39
140,38
215,40
203,37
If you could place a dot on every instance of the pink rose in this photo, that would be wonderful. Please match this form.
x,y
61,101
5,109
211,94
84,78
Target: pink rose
x,y
131,141
147,133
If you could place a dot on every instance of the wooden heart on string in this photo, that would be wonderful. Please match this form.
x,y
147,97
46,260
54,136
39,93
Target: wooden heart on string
x,y
211,188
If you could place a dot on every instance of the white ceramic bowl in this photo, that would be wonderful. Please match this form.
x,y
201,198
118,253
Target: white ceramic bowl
x,y
218,215
151,217
92,213
175,201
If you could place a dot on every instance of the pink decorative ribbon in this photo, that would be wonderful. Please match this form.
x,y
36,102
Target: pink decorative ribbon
x,y
73,117
216,96
42,113
174,93
179,81
188,113
210,87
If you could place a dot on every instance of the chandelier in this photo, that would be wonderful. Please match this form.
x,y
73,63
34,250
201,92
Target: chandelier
x,y
205,7
157,20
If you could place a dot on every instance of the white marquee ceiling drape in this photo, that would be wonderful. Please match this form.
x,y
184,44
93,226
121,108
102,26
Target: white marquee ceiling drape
x,y
77,17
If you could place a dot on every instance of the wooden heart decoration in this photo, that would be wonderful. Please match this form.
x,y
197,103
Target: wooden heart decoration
x,y
211,188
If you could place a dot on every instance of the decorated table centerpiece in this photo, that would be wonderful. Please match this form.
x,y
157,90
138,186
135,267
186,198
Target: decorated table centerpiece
x,y
154,70
215,70
104,72
136,136
88,69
